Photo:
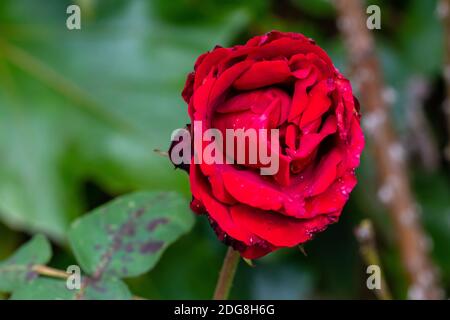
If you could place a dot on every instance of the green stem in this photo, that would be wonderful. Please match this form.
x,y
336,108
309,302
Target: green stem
x,y
227,273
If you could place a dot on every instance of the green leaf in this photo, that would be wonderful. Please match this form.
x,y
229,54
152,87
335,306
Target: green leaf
x,y
127,236
319,8
52,289
90,105
419,37
17,270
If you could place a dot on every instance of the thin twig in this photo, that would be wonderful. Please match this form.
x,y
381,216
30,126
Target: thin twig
x,y
388,152
366,238
227,273
50,272
161,153
60,274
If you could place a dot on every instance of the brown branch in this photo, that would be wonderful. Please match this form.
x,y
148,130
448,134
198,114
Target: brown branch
x,y
443,11
366,238
388,153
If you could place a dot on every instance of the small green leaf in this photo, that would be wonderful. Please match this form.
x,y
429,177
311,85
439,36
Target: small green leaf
x,y
17,270
127,236
52,289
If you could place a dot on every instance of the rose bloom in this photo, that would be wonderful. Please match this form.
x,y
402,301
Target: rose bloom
x,y
275,81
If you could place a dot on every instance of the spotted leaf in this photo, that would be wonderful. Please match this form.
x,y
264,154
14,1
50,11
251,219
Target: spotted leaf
x,y
127,236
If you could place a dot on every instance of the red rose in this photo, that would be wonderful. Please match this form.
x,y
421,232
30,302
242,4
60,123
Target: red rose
x,y
278,81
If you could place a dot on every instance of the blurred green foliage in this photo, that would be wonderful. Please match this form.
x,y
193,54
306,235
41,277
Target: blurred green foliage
x,y
15,271
82,111
123,238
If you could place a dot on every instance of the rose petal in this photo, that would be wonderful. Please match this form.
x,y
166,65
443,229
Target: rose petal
x,y
200,100
188,87
218,212
319,102
309,142
333,199
257,100
292,133
300,99
226,79
257,251
249,188
277,229
325,172
283,176
356,144
206,63
262,74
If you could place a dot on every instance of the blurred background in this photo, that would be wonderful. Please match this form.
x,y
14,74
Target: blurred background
x,y
81,112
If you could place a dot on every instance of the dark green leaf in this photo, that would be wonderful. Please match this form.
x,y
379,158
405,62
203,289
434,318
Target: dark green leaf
x,y
17,270
127,236
52,289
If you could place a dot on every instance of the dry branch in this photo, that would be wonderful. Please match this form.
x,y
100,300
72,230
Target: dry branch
x,y
388,152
